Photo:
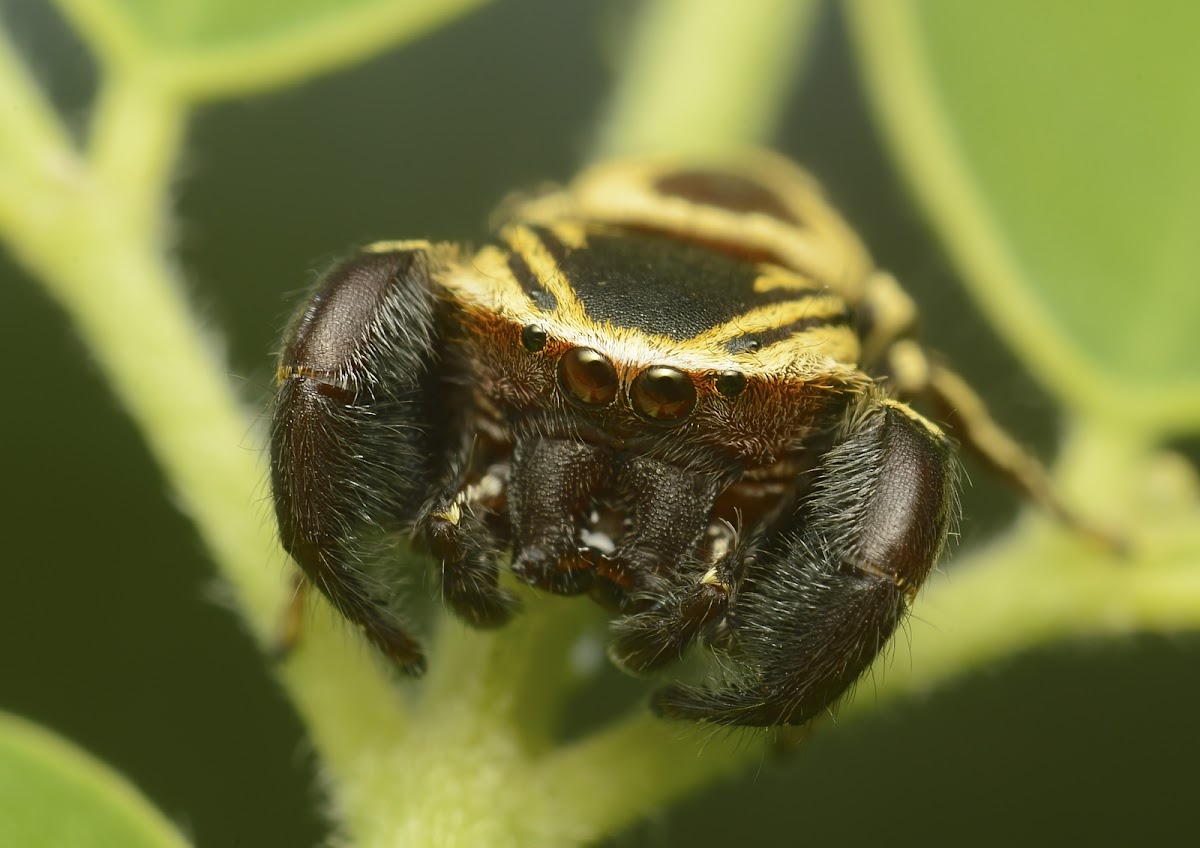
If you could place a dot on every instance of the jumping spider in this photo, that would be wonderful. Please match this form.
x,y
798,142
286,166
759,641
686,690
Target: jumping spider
x,y
677,388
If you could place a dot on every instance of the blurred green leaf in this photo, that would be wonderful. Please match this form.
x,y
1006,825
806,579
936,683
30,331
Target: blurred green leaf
x,y
1083,124
1065,134
212,48
746,57
53,794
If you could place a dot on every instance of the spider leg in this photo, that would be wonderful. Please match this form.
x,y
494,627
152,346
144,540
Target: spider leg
x,y
290,626
819,602
454,530
695,602
912,372
356,420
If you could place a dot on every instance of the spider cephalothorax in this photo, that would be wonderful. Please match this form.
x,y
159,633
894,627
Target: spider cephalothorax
x,y
679,389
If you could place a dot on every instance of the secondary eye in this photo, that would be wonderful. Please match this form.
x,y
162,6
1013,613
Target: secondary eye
x,y
662,394
731,383
587,377
533,338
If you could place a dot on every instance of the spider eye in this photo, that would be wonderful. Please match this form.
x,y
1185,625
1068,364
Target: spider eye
x,y
533,338
731,383
587,377
662,394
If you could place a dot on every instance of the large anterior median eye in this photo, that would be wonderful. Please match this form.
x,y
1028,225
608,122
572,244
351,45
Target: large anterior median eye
x,y
662,394
587,377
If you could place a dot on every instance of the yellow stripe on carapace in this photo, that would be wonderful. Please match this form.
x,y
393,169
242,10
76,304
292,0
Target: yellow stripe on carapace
x,y
832,343
916,417
774,278
526,244
489,284
570,233
397,246
772,317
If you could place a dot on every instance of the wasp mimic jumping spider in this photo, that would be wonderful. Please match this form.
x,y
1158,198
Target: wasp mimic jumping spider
x,y
680,389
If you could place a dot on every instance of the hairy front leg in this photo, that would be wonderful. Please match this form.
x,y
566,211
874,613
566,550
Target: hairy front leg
x,y
820,601
914,373
455,530
693,601
357,417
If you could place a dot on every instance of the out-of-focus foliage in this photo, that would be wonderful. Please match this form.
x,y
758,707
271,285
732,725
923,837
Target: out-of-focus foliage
x,y
214,48
51,793
1055,144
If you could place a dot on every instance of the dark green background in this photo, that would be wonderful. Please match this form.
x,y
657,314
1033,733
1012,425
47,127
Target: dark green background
x,y
109,628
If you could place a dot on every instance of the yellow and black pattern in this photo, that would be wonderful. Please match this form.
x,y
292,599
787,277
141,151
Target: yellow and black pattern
x,y
645,298
755,206
679,388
